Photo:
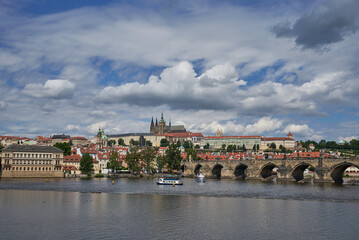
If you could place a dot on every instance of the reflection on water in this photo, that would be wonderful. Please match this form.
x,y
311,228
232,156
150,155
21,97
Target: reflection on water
x,y
75,215
219,188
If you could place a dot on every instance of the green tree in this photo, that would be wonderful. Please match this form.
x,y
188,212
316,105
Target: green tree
x,y
111,142
70,142
133,160
244,148
231,148
187,144
197,146
272,146
178,143
86,163
223,146
206,146
121,142
164,142
64,146
147,157
193,153
173,157
161,162
148,143
114,161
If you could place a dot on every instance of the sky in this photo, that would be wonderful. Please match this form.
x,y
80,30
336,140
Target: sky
x,y
247,67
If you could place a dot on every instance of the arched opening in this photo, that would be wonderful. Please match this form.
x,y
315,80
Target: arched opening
x,y
269,170
216,171
239,171
338,171
183,167
197,169
302,170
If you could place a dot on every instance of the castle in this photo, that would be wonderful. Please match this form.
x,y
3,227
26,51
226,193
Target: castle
x,y
161,127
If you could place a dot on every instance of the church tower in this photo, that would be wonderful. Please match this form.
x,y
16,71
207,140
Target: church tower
x,y
161,125
152,127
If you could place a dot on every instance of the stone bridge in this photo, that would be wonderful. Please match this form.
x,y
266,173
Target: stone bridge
x,y
325,169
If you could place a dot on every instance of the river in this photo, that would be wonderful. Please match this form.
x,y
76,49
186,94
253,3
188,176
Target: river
x,y
140,209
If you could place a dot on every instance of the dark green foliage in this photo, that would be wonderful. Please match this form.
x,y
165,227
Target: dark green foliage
x,y
148,143
134,143
164,143
121,142
197,146
161,162
231,148
244,148
86,163
193,154
147,157
187,144
114,161
272,146
111,142
64,147
133,160
173,157
206,146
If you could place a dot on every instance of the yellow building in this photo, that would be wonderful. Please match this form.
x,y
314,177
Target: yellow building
x,y
31,161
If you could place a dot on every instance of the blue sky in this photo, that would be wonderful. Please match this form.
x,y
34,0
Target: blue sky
x,y
248,67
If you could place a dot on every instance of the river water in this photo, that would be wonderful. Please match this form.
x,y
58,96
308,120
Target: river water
x,y
140,209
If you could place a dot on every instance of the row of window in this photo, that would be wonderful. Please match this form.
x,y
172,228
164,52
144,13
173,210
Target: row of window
x,y
30,169
32,155
32,162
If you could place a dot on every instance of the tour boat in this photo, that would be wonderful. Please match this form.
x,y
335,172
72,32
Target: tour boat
x,y
201,178
169,180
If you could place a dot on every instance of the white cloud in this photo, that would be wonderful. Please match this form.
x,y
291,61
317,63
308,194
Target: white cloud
x,y
263,125
56,89
302,131
347,139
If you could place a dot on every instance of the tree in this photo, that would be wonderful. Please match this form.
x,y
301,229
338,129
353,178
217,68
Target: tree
x,y
187,144
161,162
121,142
197,146
254,148
231,148
111,142
134,143
164,142
148,143
193,153
178,143
133,160
173,157
223,146
206,146
147,157
114,162
70,142
283,149
244,148
272,146
64,147
86,163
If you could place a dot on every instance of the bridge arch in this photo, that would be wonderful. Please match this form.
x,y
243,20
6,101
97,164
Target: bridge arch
x,y
183,167
298,171
197,169
336,172
239,171
216,170
266,170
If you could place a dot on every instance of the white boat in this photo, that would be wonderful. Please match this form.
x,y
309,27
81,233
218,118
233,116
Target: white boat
x,y
169,180
201,178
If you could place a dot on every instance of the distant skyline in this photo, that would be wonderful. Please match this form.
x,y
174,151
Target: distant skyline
x,y
247,67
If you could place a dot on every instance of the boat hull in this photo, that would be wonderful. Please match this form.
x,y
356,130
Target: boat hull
x,y
158,183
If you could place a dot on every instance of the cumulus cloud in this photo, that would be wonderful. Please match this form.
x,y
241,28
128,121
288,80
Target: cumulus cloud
x,y
2,105
323,25
55,89
180,88
302,131
347,139
263,125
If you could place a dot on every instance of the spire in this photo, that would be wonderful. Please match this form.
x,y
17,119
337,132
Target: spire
x,y
170,123
156,123
162,120
152,127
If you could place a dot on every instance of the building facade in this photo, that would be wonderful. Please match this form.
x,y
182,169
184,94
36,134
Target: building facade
x,y
31,161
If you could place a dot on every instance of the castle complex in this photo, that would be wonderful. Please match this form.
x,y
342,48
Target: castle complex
x,y
161,127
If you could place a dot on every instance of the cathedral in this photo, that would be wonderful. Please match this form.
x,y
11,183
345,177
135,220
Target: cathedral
x,y
161,127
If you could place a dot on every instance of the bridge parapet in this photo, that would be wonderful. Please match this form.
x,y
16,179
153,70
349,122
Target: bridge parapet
x,y
325,169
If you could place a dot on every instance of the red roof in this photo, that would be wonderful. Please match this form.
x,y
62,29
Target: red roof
x,y
219,137
276,138
289,134
72,158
